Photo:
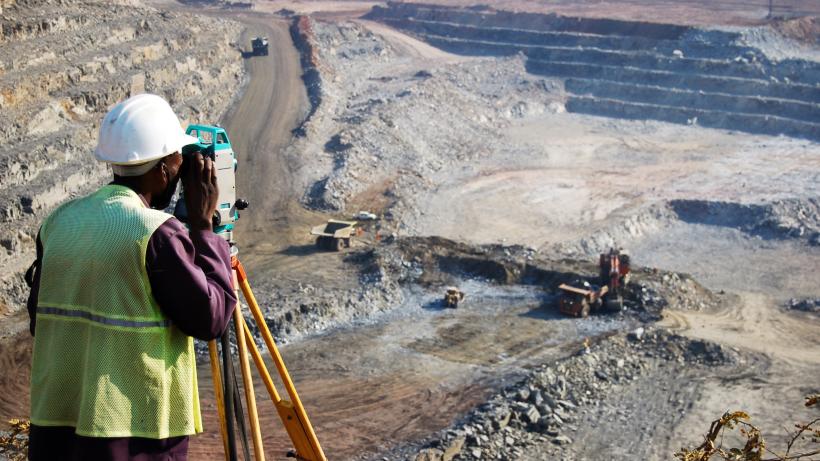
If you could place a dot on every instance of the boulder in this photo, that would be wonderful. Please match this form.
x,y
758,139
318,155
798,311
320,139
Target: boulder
x,y
430,454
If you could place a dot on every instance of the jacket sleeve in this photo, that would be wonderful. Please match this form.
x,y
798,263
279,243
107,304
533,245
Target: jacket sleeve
x,y
190,275
33,280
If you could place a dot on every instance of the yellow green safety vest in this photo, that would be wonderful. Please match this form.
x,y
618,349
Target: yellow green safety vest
x,y
106,360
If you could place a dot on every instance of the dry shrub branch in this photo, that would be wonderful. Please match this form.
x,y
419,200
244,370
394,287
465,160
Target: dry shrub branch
x,y
804,442
14,443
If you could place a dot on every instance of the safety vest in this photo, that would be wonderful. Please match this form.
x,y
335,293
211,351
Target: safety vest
x,y
106,360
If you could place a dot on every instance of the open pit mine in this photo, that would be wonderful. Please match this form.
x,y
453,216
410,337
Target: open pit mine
x,y
476,231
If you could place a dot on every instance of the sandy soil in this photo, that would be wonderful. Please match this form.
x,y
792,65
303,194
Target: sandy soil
x,y
582,170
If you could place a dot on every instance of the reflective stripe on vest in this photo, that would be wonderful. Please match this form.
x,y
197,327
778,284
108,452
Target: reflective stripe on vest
x,y
106,360
103,320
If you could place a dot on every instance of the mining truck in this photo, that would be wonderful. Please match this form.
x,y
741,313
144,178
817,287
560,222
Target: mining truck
x,y
260,46
452,297
335,235
613,276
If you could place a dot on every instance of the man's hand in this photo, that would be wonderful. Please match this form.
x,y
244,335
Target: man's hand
x,y
201,192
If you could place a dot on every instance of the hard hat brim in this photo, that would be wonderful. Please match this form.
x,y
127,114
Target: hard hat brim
x,y
175,146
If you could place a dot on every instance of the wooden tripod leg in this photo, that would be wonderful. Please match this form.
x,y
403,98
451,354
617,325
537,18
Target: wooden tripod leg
x,y
287,413
247,380
310,449
261,367
220,399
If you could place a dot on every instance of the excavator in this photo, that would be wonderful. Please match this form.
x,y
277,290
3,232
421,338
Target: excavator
x,y
613,276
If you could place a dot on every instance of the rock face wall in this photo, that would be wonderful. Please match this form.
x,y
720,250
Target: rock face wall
x,y
635,70
63,63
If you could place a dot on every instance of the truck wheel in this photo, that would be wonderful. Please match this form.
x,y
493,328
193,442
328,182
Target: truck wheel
x,y
615,304
584,312
320,242
338,244
347,243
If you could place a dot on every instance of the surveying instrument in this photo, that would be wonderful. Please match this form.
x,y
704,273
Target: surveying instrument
x,y
214,143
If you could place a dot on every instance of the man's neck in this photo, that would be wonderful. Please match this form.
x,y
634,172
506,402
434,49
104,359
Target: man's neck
x,y
134,184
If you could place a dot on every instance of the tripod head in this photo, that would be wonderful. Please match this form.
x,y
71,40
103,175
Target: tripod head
x,y
214,143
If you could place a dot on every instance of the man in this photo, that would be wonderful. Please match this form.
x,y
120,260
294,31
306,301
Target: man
x,y
119,288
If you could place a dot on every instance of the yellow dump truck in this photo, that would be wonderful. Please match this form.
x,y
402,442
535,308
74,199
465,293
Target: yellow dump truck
x,y
452,297
335,235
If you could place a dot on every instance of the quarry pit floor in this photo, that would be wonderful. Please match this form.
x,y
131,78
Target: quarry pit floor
x,y
377,384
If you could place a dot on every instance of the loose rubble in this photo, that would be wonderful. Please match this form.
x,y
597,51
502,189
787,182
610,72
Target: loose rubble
x,y
781,219
544,411
793,219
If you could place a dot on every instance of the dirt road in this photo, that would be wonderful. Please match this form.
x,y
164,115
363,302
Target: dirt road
x,y
406,46
754,324
771,394
273,103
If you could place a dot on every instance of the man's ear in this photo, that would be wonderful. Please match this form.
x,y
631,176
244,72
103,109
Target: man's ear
x,y
164,172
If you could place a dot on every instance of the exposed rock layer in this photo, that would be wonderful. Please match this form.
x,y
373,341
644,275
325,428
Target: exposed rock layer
x,y
60,71
636,70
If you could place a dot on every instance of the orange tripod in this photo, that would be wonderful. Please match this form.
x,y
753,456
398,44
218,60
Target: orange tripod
x,y
292,413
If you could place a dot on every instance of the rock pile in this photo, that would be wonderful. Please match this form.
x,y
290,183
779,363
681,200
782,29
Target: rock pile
x,y
301,31
293,308
780,219
797,219
544,409
670,289
381,130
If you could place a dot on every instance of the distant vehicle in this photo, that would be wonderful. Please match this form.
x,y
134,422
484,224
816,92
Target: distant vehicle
x,y
614,273
335,235
452,297
365,216
260,46
579,302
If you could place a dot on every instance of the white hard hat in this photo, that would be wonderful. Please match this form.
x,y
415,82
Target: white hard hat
x,y
138,130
